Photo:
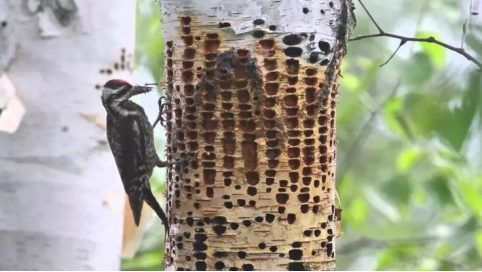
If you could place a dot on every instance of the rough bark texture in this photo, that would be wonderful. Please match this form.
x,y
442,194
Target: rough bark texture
x,y
252,88
61,199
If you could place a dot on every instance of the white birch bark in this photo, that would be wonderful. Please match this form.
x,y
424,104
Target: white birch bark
x,y
253,87
61,198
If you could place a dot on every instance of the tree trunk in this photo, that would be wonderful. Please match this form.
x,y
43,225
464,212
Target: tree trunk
x,y
252,87
61,199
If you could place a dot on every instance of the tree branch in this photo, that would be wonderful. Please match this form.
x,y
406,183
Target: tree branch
x,y
404,39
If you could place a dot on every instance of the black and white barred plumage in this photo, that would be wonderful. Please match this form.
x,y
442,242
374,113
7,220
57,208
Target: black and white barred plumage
x,y
131,140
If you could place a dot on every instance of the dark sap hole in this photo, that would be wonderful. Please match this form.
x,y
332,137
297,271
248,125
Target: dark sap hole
x,y
252,203
243,96
293,52
199,246
294,133
292,39
324,62
296,244
271,134
314,57
291,111
237,187
271,88
295,254
293,152
307,233
267,44
281,210
306,10
259,219
233,269
293,66
248,267
227,182
261,245
291,218
272,153
303,198
311,72
242,254
224,24
186,20
272,27
220,220
241,202
322,11
188,40
270,64
270,124
258,22
234,226
228,205
292,80
190,221
291,100
324,47
306,181
189,53
210,192
290,90
269,181
200,237
219,230
305,208
252,191
294,188
282,198
252,178
201,266
247,223
220,254
329,249
259,34
269,217
219,265
245,115
294,164
317,232
270,173
331,6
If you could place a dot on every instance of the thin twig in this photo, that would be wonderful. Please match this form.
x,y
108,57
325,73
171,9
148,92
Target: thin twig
x,y
402,42
430,39
350,157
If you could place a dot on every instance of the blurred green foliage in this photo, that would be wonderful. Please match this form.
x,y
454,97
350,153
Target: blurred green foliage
x,y
410,141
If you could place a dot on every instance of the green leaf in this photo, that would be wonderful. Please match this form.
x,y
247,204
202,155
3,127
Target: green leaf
x,y
434,51
408,158
439,188
397,190
478,241
392,110
357,211
420,69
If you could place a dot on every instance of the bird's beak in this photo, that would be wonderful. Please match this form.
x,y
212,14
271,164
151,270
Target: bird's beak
x,y
140,89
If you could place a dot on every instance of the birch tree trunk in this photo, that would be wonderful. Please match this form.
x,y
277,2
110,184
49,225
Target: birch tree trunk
x,y
61,199
253,88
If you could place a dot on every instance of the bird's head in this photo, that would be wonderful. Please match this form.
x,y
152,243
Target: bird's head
x,y
116,92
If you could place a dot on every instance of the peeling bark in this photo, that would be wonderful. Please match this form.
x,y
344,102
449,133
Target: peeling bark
x,y
253,87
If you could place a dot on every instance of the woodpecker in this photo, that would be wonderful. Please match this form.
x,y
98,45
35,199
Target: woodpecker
x,y
131,139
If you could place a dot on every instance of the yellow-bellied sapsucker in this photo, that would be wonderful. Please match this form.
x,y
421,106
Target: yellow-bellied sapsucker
x,y
131,139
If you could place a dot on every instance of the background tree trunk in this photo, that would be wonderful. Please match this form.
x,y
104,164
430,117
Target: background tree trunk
x,y
253,90
61,199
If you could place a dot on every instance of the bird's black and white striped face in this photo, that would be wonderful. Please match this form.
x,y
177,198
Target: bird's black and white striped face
x,y
117,91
